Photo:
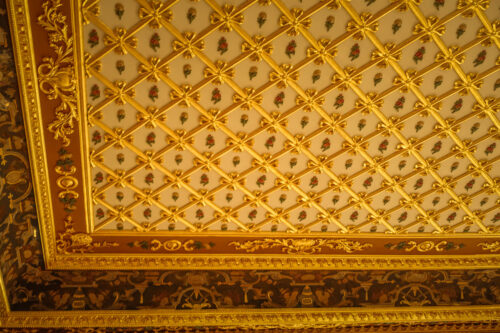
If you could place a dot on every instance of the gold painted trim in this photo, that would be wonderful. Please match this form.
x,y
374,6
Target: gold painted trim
x,y
246,318
251,318
20,25
276,261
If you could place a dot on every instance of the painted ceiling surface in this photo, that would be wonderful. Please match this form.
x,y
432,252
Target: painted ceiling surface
x,y
293,116
445,298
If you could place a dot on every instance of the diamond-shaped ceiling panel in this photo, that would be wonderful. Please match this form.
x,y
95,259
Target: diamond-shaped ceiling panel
x,y
296,116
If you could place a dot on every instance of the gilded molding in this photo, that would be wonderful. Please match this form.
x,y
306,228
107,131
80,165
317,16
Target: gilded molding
x,y
249,318
26,70
268,261
442,327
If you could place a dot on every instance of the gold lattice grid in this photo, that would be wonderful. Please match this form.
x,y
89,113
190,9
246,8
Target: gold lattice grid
x,y
285,74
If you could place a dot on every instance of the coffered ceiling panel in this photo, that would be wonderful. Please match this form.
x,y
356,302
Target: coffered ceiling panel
x,y
268,127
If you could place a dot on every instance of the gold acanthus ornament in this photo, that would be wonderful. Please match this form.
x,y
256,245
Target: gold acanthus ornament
x,y
301,245
229,17
71,241
56,74
492,247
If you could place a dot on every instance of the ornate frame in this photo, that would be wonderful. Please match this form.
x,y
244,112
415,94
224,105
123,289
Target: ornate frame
x,y
294,255
429,318
252,319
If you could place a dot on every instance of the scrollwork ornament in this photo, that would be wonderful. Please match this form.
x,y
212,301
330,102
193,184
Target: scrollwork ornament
x,y
424,246
301,245
492,247
71,241
56,75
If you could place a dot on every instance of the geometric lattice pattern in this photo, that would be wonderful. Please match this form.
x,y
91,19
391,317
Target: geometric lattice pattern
x,y
294,116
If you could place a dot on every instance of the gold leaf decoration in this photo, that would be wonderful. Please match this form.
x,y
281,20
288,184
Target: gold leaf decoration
x,y
411,80
227,18
322,52
249,99
71,241
185,96
120,41
310,100
301,245
385,57
154,69
471,82
259,48
492,247
220,73
295,22
285,77
56,76
365,25
120,92
431,27
346,79
189,46
453,57
154,13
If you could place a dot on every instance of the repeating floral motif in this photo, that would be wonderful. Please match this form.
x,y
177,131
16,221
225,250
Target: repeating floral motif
x,y
119,10
396,25
120,114
95,92
290,48
153,93
191,14
261,19
279,99
400,103
438,81
457,105
270,142
216,96
419,55
222,46
93,38
438,3
316,75
355,51
339,101
120,66
154,42
252,72
186,70
329,22
461,30
481,57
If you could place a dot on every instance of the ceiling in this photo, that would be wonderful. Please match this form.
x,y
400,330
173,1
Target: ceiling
x,y
254,165
293,116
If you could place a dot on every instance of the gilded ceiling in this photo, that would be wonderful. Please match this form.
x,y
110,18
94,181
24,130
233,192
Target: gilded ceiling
x,y
259,165
293,116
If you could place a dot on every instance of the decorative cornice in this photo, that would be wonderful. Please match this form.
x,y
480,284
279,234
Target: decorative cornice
x,y
268,261
249,318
